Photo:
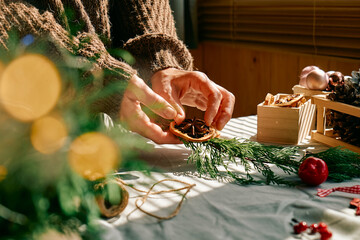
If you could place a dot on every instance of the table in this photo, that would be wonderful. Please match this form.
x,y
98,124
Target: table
x,y
224,210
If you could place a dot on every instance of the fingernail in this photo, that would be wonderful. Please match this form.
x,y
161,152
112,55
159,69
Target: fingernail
x,y
179,118
170,113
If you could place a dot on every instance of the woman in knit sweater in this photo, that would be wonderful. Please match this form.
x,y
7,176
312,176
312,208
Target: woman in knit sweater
x,y
146,29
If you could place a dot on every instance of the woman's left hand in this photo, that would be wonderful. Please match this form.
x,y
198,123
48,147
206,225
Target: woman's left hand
x,y
195,89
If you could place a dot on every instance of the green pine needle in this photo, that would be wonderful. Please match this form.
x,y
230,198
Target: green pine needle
x,y
217,153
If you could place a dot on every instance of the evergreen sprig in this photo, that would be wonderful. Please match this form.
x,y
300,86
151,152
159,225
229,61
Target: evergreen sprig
x,y
342,163
217,153
42,192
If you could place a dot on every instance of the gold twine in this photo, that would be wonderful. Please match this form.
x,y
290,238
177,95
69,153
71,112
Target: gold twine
x,y
113,210
144,198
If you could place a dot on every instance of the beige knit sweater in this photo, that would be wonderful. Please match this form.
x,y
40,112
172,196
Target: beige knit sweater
x,y
145,28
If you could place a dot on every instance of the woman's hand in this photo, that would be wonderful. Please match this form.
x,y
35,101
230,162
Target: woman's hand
x,y
136,120
195,89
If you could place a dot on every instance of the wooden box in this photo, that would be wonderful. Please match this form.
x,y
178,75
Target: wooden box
x,y
284,125
324,135
308,92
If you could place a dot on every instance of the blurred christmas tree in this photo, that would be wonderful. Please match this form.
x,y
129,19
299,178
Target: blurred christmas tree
x,y
53,148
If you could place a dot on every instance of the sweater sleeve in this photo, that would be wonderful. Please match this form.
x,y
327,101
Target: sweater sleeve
x,y
147,30
27,19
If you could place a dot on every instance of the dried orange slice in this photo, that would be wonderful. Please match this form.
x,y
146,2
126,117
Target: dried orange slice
x,y
288,100
269,99
194,130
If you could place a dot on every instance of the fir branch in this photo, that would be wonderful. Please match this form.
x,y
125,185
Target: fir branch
x,y
211,155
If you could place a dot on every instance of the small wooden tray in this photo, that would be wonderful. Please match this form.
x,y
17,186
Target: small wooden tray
x,y
326,136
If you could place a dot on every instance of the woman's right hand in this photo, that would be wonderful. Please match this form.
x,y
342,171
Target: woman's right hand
x,y
135,119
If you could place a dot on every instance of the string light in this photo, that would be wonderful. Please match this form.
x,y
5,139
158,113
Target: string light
x,y
48,134
93,155
30,86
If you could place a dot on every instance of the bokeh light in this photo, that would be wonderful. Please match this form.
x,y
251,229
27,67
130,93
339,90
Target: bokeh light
x,y
30,87
2,67
48,134
93,155
55,235
3,172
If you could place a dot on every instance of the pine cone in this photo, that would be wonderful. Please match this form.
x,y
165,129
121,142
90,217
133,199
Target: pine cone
x,y
344,125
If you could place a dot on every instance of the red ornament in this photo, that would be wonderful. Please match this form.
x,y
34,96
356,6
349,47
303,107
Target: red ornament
x,y
313,171
355,203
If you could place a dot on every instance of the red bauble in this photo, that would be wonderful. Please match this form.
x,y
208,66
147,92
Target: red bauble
x,y
313,171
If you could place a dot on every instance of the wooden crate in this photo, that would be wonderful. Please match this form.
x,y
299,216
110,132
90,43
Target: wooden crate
x,y
308,92
324,135
284,125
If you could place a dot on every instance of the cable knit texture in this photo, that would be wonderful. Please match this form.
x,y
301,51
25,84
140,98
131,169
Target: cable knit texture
x,y
150,35
145,28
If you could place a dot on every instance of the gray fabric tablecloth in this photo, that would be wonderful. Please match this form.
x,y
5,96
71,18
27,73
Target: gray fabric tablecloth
x,y
224,210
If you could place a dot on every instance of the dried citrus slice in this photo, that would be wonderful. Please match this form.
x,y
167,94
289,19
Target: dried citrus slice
x,y
288,100
194,130
269,99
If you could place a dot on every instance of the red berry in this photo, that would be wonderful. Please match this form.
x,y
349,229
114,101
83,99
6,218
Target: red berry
x,y
300,227
313,171
325,235
314,228
322,227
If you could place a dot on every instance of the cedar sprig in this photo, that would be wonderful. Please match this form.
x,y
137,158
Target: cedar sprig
x,y
342,163
211,155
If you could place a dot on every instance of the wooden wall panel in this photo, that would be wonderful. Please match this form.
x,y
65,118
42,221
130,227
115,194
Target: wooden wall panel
x,y
250,73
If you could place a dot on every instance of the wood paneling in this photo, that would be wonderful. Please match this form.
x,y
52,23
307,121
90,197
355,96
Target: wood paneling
x,y
250,72
326,27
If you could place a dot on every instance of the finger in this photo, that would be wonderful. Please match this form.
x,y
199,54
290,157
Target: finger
x,y
176,103
212,107
155,133
213,95
138,90
137,121
171,96
226,109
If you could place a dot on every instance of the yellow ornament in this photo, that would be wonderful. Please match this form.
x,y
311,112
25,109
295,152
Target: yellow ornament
x,y
48,134
30,87
93,155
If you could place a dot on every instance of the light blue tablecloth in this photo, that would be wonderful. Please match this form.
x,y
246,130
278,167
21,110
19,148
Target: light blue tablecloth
x,y
223,210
